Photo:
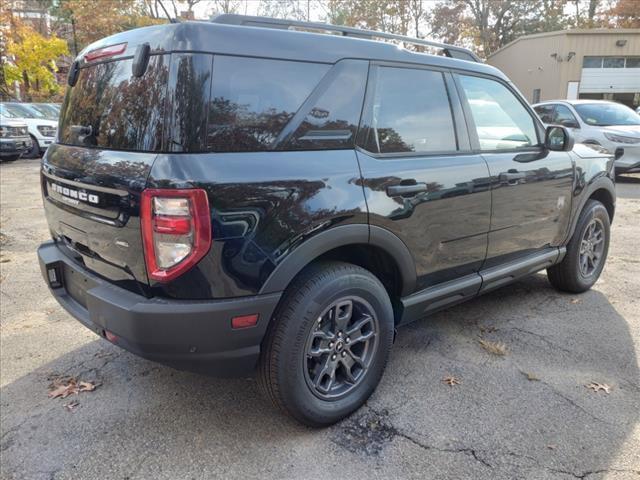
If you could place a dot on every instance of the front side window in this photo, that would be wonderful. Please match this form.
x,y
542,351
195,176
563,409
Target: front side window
x,y
253,99
501,121
563,116
410,112
545,112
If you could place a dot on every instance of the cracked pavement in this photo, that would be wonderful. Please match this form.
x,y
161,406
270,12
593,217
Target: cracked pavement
x,y
523,415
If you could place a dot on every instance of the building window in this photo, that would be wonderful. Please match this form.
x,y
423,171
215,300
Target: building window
x,y
536,95
613,62
592,62
633,62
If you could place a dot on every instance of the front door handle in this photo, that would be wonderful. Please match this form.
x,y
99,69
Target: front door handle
x,y
406,190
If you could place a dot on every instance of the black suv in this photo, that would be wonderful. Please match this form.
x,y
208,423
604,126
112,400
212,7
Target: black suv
x,y
227,196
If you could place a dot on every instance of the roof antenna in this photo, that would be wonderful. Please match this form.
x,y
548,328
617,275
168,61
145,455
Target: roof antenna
x,y
171,20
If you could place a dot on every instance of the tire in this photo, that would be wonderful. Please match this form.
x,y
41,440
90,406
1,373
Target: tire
x,y
569,275
10,158
297,351
34,151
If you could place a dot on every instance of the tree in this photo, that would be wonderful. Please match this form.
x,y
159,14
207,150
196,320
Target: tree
x,y
92,20
487,25
624,14
33,62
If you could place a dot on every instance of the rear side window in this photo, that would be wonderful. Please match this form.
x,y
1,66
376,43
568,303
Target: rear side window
x,y
253,99
109,108
501,121
331,115
410,112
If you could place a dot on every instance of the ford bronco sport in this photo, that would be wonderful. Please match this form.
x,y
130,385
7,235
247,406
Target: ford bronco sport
x,y
227,197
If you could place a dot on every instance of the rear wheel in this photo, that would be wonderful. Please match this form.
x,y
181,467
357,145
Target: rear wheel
x,y
34,151
586,252
328,345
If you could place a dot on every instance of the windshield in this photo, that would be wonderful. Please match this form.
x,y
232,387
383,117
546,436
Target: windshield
x,y
21,110
6,113
45,109
606,114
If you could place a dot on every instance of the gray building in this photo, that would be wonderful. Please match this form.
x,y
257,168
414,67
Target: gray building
x,y
570,64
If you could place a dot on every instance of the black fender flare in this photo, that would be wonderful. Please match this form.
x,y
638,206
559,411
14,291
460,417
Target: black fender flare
x,y
342,236
600,183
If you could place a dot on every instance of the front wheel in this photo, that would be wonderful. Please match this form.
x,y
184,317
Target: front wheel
x,y
34,151
586,252
328,345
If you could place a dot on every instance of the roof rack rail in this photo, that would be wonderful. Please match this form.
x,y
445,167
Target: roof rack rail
x,y
266,22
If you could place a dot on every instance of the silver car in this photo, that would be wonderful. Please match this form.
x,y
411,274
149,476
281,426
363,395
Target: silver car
x,y
598,122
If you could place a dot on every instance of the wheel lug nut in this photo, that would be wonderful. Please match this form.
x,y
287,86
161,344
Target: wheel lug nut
x,y
344,354
330,344
347,340
340,334
333,357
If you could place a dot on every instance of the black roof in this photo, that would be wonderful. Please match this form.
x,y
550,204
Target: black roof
x,y
275,43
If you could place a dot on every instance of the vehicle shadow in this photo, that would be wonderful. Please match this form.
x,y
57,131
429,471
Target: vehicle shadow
x,y
523,414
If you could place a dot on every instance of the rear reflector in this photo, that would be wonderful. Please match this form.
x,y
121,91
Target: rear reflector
x,y
105,52
112,337
245,321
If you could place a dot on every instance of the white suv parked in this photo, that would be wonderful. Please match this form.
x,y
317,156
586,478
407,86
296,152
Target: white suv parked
x,y
41,129
598,122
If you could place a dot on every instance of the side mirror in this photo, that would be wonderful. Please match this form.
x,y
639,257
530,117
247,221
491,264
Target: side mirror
x,y
569,124
558,139
619,152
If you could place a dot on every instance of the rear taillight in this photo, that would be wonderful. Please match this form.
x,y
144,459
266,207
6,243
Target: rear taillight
x,y
176,231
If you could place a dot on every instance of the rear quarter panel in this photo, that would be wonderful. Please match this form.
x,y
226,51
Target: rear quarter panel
x,y
263,204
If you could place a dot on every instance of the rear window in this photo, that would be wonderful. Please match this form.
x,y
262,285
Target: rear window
x,y
110,108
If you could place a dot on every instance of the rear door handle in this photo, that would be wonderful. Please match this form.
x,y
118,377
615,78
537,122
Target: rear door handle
x,y
405,190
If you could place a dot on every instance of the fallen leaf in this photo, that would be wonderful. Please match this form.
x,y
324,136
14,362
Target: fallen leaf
x,y
495,348
531,377
63,388
551,447
86,386
596,387
71,405
451,381
575,300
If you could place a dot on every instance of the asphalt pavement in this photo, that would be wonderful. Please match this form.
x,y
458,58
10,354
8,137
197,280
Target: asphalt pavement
x,y
526,414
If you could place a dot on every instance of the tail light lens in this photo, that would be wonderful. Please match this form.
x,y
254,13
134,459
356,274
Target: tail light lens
x,y
176,231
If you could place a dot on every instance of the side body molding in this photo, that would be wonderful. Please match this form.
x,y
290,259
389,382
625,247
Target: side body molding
x,y
342,236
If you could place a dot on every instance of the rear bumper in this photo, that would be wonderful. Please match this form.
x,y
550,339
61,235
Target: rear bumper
x,y
190,335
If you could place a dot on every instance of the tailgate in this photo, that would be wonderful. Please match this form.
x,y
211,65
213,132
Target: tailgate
x,y
91,199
